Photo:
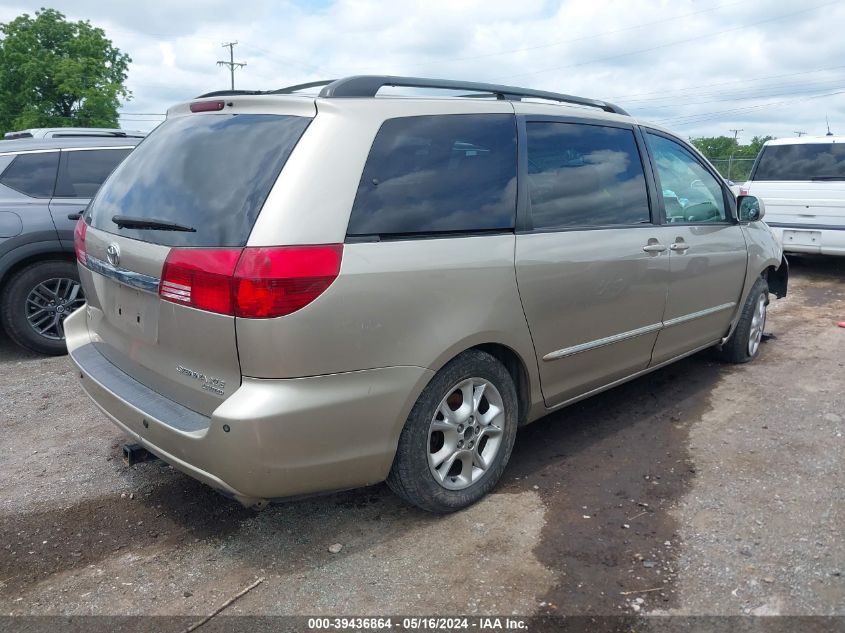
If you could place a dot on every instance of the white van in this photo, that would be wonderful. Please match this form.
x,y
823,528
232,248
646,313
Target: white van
x,y
802,182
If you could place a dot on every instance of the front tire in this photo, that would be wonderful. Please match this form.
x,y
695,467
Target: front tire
x,y
744,344
35,302
459,435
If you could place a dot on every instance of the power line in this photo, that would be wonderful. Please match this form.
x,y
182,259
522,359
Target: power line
x,y
450,60
770,91
673,43
706,116
232,64
446,60
576,39
721,83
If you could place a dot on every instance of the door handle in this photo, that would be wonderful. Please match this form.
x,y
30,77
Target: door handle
x,y
654,248
679,247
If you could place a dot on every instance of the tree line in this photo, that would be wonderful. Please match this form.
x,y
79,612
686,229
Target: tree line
x,y
733,160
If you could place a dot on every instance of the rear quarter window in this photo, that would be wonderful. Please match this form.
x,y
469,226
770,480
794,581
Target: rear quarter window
x,y
438,174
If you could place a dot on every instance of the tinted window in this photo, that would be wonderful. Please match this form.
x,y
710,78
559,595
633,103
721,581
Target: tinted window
x,y
32,174
438,174
584,175
691,194
82,172
813,161
208,172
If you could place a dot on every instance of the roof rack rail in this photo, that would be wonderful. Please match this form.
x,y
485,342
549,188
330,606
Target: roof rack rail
x,y
72,134
230,93
298,87
280,91
369,85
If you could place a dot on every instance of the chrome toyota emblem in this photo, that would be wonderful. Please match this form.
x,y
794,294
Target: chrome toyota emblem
x,y
113,254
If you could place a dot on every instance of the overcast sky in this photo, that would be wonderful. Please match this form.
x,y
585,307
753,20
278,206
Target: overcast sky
x,y
700,67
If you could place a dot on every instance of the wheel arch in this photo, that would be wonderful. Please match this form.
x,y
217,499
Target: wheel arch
x,y
29,254
518,372
778,277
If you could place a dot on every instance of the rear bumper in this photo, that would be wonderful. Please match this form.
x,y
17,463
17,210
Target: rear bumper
x,y
285,438
810,238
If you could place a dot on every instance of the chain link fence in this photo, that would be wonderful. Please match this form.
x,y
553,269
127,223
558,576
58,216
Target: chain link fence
x,y
736,169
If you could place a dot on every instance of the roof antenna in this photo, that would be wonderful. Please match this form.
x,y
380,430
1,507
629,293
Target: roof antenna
x,y
829,133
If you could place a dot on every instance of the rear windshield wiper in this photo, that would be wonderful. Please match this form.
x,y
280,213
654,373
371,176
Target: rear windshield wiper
x,y
828,178
129,222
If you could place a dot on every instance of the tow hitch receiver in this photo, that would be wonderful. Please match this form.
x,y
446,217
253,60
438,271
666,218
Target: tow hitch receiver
x,y
135,453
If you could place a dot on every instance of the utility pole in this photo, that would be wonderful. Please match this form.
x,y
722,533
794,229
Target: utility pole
x,y
736,132
232,64
799,133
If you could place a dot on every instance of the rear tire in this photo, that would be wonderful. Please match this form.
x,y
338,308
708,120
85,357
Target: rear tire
x,y
459,435
744,343
26,311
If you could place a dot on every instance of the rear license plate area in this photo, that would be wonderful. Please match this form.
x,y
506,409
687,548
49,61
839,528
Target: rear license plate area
x,y
802,238
134,312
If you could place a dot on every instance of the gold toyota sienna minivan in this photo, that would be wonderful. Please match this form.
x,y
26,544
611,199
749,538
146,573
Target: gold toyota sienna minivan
x,y
289,294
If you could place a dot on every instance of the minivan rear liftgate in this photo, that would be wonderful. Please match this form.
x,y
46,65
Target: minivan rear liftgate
x,y
163,243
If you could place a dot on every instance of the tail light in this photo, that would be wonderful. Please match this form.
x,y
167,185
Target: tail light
x,y
200,278
743,191
79,241
272,282
253,282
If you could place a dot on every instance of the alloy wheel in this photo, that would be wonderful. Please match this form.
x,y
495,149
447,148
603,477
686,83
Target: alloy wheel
x,y
48,303
465,433
758,324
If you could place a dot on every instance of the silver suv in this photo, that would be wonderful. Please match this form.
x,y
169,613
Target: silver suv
x,y
290,294
44,186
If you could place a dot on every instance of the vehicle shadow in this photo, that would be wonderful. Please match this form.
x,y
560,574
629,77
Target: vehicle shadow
x,y
609,469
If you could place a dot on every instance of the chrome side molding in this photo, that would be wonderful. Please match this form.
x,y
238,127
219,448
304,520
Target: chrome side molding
x,y
623,336
608,340
699,314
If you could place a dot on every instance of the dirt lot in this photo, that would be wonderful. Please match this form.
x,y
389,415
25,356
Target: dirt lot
x,y
700,489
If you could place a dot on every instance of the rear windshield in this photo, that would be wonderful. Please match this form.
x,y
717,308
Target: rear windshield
x,y
210,173
812,161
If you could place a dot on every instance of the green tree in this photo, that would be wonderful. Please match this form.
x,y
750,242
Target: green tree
x,y
751,150
733,160
716,146
56,73
723,147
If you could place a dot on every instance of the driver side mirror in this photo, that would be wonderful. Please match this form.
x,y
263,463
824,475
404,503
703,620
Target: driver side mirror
x,y
750,208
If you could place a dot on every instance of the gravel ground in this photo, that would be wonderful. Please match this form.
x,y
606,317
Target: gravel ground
x,y
699,489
